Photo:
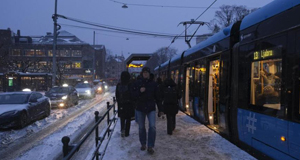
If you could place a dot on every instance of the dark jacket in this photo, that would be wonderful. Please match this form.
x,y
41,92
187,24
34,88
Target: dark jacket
x,y
170,108
145,102
124,99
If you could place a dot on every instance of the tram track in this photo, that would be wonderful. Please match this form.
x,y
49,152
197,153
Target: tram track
x,y
12,151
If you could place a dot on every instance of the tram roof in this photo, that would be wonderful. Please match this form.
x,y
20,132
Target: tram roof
x,y
267,11
175,58
165,64
211,40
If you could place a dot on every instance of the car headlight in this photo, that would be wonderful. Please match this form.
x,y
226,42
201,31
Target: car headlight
x,y
88,91
64,97
9,113
99,89
105,87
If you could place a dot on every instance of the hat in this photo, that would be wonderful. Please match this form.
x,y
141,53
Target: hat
x,y
146,69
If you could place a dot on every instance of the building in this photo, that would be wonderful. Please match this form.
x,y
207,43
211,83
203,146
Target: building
x,y
75,59
114,66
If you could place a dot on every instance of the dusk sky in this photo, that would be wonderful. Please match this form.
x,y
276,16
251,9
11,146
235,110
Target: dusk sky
x,y
33,18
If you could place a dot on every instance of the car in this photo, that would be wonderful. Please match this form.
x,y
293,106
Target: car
x,y
98,86
63,97
17,109
85,90
105,86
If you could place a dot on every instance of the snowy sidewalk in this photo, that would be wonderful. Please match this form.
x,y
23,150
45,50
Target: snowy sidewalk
x,y
190,141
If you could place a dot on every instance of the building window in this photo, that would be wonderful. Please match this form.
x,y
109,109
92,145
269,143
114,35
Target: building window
x,y
64,53
29,52
42,65
50,54
76,65
76,53
266,83
16,52
39,52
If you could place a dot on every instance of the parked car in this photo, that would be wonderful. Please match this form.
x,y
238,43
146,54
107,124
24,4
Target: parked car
x,y
17,109
85,90
65,96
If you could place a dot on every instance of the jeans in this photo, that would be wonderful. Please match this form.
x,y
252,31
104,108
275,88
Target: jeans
x,y
141,117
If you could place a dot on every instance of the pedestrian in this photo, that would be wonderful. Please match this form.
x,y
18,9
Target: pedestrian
x,y
125,103
171,95
147,95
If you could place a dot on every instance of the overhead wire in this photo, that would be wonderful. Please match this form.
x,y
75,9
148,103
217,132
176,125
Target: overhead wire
x,y
137,32
163,6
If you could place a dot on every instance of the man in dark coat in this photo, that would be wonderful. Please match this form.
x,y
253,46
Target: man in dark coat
x,y
146,94
171,94
125,103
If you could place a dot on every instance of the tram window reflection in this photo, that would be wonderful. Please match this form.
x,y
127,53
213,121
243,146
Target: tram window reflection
x,y
266,83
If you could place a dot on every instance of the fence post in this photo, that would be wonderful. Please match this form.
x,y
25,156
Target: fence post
x,y
65,140
107,113
96,131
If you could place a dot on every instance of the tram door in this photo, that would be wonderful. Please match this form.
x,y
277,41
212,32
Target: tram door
x,y
213,93
188,89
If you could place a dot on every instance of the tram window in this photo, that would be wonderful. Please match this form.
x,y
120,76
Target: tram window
x,y
266,83
176,76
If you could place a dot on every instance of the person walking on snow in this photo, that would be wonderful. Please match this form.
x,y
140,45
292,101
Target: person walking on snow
x,y
147,94
125,103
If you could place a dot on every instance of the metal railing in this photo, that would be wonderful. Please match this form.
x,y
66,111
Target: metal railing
x,y
70,150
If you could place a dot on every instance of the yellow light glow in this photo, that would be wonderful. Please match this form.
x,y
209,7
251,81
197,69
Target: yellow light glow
x,y
135,65
282,138
187,106
210,117
61,104
99,89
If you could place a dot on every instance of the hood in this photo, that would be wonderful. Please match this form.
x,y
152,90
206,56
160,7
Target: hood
x,y
11,107
83,89
169,82
125,77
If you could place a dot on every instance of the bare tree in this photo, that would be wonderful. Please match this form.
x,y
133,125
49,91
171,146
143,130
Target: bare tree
x,y
160,56
227,15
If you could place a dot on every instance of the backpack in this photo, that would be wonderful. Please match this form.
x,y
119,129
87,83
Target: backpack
x,y
170,95
124,94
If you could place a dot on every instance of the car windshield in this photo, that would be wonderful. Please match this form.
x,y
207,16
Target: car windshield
x,y
82,85
59,90
14,98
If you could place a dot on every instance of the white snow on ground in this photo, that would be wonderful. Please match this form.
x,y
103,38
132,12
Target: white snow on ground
x,y
190,141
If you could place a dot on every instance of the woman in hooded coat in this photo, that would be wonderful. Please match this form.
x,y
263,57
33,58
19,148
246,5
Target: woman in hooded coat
x,y
125,103
171,94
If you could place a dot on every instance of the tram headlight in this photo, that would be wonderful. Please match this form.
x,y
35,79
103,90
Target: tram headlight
x,y
99,89
105,86
61,104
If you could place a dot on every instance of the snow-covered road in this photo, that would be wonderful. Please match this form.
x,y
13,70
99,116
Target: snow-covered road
x,y
42,139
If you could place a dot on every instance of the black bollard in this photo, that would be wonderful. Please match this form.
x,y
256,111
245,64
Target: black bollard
x,y
96,131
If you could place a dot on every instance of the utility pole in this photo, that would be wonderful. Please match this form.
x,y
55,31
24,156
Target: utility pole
x,y
54,17
94,56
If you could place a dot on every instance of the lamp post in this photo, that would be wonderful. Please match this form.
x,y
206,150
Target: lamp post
x,y
54,17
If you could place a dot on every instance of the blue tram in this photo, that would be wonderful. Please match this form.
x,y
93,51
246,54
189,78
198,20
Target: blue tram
x,y
244,82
